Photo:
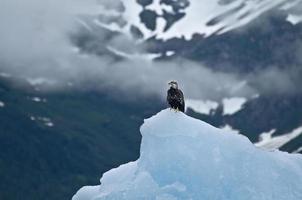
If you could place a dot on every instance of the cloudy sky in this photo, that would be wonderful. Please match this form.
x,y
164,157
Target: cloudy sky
x,y
35,42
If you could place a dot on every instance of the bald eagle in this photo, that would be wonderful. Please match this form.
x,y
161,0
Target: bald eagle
x,y
175,97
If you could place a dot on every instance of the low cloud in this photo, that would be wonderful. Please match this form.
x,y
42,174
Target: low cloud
x,y
34,36
277,81
35,43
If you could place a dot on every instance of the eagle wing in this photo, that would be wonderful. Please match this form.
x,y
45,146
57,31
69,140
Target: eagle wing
x,y
178,96
182,101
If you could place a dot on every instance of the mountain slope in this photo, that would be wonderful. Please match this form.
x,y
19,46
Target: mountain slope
x,y
47,139
166,19
39,160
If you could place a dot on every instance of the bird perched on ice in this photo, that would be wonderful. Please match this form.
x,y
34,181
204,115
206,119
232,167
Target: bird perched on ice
x,y
175,97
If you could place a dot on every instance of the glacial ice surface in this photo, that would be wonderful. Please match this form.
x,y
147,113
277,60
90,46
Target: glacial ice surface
x,y
183,158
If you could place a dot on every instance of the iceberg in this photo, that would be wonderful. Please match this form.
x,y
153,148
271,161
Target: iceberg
x,y
183,158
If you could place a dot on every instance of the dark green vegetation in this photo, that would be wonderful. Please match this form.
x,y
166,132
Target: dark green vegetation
x,y
92,133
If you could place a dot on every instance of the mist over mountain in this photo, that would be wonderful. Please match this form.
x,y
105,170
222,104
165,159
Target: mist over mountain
x,y
77,78
93,44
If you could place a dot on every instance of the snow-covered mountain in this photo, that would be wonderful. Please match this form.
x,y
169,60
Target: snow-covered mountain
x,y
184,158
184,18
166,19
238,63
257,40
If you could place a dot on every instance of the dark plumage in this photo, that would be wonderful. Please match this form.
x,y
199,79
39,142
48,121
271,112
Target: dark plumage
x,y
175,97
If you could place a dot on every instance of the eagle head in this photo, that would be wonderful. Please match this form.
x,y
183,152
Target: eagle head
x,y
173,84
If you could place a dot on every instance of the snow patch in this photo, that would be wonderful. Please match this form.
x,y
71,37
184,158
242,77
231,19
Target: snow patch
x,y
298,150
203,107
156,6
50,124
228,128
267,141
46,121
294,19
170,53
233,105
131,14
265,137
199,14
38,99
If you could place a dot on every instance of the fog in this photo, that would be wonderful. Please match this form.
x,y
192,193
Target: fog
x,y
35,44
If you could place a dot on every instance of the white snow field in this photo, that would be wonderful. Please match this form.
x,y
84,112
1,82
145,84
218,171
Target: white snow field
x,y
229,17
183,158
233,105
268,141
200,106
